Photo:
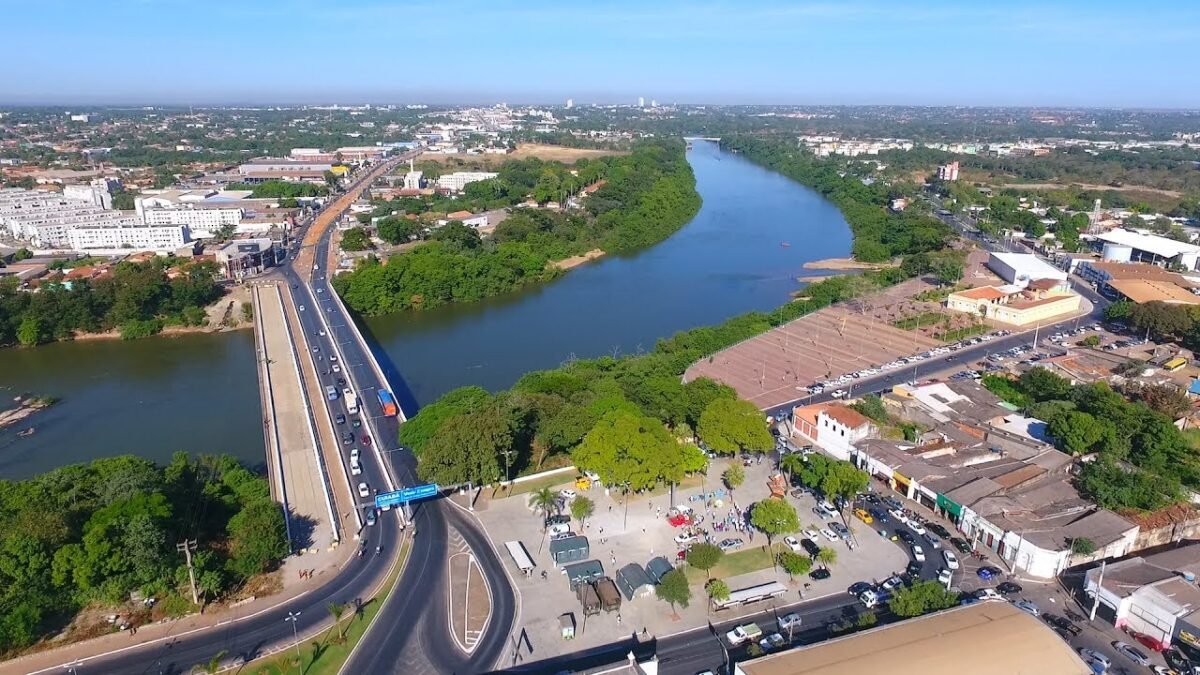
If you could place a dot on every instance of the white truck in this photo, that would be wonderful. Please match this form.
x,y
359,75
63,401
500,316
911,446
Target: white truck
x,y
743,633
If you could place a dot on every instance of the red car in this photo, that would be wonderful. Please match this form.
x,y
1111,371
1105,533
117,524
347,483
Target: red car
x,y
366,439
1147,640
677,521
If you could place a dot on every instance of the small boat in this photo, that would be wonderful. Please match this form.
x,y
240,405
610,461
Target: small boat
x,y
785,244
27,432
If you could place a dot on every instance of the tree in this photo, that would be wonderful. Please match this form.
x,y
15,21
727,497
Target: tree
x,y
921,598
729,426
793,563
355,239
832,476
1167,399
544,500
774,517
635,450
258,538
398,230
1077,432
1042,385
582,508
674,589
1083,546
247,312
1119,311
704,556
1091,341
336,610
718,590
734,476
213,665
700,392
22,254
468,447
31,332
826,556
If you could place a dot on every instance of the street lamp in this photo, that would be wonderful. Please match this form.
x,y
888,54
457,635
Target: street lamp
x,y
293,616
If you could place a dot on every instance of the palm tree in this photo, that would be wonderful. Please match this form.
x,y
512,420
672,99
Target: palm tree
x,y
337,609
826,556
545,500
792,463
213,665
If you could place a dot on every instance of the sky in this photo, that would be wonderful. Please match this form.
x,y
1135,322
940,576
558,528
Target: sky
x,y
969,52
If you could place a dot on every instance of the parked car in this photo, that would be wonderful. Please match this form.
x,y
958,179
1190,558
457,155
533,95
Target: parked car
x,y
961,545
906,537
841,530
685,538
823,512
789,621
945,576
1093,656
918,553
730,544
864,516
829,534
987,572
1026,606
819,574
1132,653
567,493
951,560
810,547
859,587
1178,662
792,543
1062,623
772,642
1008,588
879,514
810,534
987,594
934,542
743,633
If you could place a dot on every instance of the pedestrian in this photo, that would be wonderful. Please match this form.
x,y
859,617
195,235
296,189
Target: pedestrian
x,y
602,530
610,508
618,619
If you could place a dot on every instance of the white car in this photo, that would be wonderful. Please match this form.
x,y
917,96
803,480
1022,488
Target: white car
x,y
1093,655
567,493
951,559
793,544
916,527
337,368
840,393
321,332
988,594
301,308
810,534
945,576
354,455
363,490
685,538
918,553
789,621
355,468
829,534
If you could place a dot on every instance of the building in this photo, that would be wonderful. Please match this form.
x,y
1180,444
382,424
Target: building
x,y
634,582
1023,267
205,220
570,103
948,172
98,192
641,102
45,220
243,258
1155,595
1144,290
455,182
985,638
85,118
832,427
128,236
1017,304
1152,249
412,180
269,168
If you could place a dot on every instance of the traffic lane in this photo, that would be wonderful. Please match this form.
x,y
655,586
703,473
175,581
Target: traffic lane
x,y
494,640
247,638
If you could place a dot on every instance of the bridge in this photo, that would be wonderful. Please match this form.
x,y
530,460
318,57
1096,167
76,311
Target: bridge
x,y
302,331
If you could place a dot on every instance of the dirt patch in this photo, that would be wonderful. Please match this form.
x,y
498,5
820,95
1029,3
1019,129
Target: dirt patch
x,y
814,279
843,264
549,153
1084,186
577,260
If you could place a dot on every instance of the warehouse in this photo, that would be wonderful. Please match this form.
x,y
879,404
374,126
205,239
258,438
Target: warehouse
x,y
1149,248
1023,268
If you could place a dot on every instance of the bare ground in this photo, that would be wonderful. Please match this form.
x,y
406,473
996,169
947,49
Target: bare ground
x,y
550,153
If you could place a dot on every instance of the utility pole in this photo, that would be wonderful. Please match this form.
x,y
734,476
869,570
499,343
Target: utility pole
x,y
186,547
293,617
1099,585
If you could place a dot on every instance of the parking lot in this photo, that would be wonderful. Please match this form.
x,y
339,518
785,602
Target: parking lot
x,y
637,530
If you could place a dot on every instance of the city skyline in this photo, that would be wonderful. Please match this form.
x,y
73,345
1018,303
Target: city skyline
x,y
174,52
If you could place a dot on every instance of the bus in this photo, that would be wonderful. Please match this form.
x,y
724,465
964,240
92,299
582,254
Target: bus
x,y
1175,364
387,403
752,594
351,402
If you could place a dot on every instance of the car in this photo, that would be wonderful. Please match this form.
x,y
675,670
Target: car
x,y
320,290
347,438
891,583
354,455
341,382
893,502
906,537
987,572
961,544
819,574
742,633
798,493
987,594
369,515
730,544
879,514
558,536
945,576
337,368
934,542
355,468
557,519
937,529
772,641
1008,588
366,440
356,423
301,308
859,587
792,543
790,621
916,527
316,348
1132,653
332,358
810,534
1026,606
1061,623
685,538
340,418
823,512
841,530
810,546
364,490
1148,641
1178,662
567,493
918,553
321,332
1093,656
829,534
951,560
914,568
898,514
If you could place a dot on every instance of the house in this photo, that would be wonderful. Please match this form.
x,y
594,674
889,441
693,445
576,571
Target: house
x,y
833,427
1020,304
1155,595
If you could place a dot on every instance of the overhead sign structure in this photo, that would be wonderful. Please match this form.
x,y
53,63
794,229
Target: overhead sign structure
x,y
409,494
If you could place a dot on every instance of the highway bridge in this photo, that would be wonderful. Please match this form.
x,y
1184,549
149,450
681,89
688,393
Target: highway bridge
x,y
411,632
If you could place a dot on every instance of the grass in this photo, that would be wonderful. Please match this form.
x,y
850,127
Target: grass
x,y
739,562
564,479
923,319
329,658
961,333
1193,437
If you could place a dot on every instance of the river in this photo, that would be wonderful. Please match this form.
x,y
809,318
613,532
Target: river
x,y
199,392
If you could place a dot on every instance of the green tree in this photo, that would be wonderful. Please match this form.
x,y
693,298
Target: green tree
x,y
1077,432
1083,546
355,239
247,312
734,476
1119,311
31,332
1042,385
337,610
582,508
625,448
546,501
704,556
419,430
257,538
774,517
1091,341
468,447
397,230
718,590
794,563
826,556
834,477
921,598
211,666
729,426
674,589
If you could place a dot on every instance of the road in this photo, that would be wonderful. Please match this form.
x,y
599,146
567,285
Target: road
x,y
416,600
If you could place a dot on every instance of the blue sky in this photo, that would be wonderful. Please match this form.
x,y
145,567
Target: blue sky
x,y
968,52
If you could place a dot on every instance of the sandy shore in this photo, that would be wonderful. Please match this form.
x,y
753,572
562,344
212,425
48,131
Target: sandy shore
x,y
169,331
26,406
814,278
577,260
843,264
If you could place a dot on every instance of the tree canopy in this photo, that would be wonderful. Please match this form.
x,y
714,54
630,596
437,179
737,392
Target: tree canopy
x,y
774,516
731,425
626,448
920,598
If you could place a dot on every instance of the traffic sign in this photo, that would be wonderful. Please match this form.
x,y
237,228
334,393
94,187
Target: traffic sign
x,y
405,495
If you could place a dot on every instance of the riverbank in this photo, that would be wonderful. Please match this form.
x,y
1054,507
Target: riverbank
x,y
577,260
167,331
842,264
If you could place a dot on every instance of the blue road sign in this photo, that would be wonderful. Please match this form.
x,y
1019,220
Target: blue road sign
x,y
409,494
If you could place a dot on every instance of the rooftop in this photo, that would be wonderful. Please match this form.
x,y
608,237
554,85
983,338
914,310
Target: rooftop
x,y
1118,270
1161,246
982,635
1145,290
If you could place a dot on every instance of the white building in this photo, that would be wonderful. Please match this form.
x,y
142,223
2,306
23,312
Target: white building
x,y
832,427
1149,248
202,219
45,220
98,191
412,180
456,181
132,236
1023,268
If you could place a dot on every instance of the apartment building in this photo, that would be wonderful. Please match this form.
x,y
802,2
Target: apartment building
x,y
46,220
455,182
131,236
203,219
